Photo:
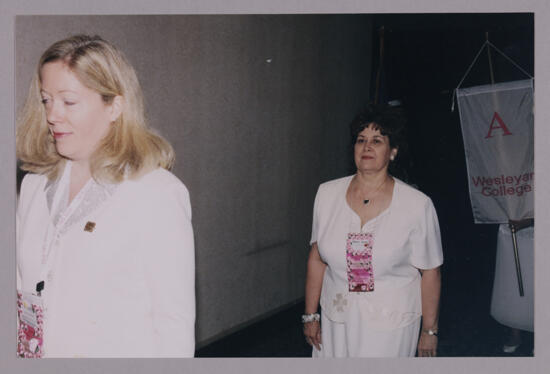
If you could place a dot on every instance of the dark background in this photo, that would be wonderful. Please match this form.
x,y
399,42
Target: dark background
x,y
425,57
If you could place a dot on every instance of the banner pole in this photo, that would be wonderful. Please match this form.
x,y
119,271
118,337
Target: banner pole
x,y
516,257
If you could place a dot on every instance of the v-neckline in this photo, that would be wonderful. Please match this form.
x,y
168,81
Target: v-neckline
x,y
361,224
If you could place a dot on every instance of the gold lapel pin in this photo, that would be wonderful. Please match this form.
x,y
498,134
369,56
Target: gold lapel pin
x,y
90,226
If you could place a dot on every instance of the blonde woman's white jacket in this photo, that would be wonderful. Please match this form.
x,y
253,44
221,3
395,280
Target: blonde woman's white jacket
x,y
121,275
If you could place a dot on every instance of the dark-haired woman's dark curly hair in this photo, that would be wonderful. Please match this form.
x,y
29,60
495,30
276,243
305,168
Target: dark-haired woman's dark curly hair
x,y
390,121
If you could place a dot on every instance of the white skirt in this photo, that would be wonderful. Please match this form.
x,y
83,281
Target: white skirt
x,y
507,306
353,339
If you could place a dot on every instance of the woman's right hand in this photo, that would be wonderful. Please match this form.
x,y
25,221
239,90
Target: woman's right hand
x,y
314,280
312,331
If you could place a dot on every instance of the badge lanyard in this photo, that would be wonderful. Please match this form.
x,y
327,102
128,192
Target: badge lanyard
x,y
31,307
359,262
30,333
55,230
359,256
65,215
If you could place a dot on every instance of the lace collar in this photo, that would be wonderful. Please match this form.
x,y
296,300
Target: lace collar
x,y
88,199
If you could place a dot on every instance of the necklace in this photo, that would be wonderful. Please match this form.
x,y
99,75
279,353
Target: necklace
x,y
367,201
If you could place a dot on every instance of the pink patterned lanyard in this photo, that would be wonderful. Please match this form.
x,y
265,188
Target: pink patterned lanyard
x,y
359,262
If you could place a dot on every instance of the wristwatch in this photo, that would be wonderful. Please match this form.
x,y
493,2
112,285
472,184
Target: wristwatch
x,y
430,332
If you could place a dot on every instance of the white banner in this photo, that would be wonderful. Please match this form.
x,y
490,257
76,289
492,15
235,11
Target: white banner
x,y
497,128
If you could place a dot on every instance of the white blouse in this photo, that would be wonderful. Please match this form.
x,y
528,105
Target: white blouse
x,y
407,238
118,265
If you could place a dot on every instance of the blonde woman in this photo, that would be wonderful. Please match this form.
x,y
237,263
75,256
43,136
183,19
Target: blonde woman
x,y
105,250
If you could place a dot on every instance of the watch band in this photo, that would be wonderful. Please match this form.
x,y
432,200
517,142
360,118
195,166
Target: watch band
x,y
430,332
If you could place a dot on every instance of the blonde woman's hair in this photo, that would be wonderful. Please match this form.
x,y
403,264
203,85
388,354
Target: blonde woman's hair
x,y
130,148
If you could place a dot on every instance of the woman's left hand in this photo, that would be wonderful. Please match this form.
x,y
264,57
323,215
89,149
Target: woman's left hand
x,y
427,345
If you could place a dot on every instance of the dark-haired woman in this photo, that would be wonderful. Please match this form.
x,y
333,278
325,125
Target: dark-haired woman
x,y
375,255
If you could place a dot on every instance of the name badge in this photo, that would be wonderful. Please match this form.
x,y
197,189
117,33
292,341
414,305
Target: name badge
x,y
359,262
30,312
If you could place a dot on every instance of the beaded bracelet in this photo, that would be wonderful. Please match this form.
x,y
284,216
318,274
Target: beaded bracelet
x,y
310,317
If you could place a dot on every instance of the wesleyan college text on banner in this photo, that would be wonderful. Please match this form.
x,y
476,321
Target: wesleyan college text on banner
x,y
497,127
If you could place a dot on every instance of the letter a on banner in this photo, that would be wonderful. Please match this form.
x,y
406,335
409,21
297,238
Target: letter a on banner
x,y
497,127
501,125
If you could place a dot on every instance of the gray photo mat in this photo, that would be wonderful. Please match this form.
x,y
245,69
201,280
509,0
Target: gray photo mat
x,y
9,9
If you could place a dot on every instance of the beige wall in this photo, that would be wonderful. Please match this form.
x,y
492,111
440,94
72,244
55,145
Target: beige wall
x,y
257,109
